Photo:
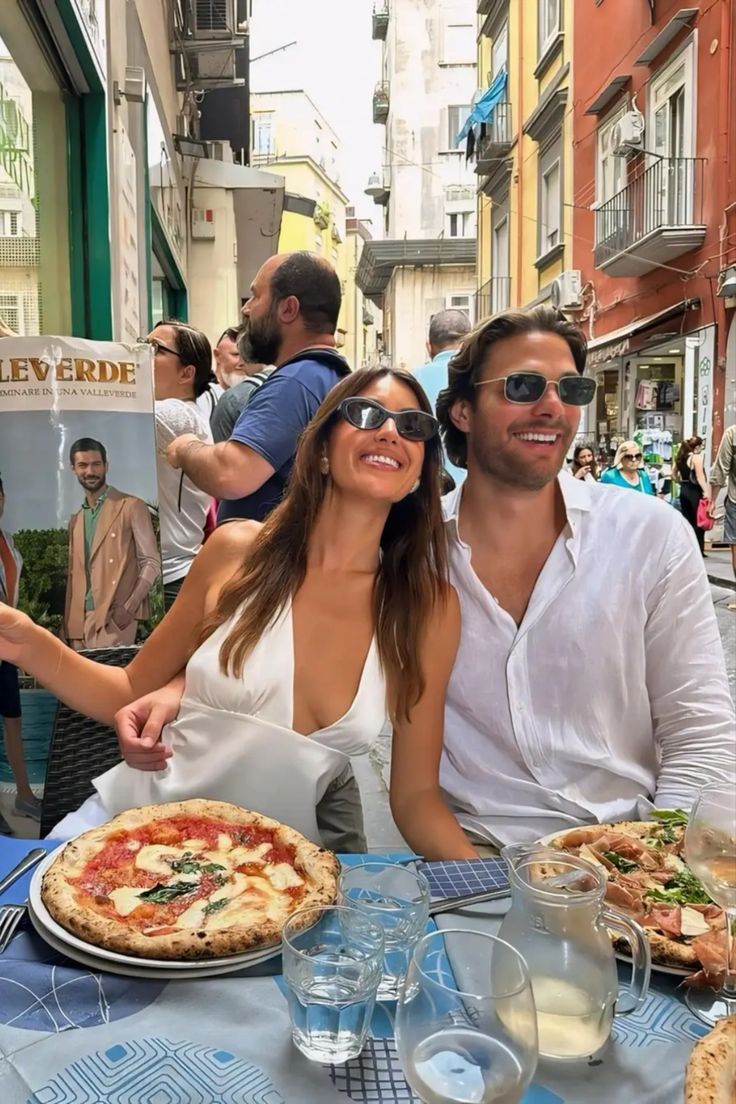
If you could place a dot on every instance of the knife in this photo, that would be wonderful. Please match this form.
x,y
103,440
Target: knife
x,y
449,904
25,864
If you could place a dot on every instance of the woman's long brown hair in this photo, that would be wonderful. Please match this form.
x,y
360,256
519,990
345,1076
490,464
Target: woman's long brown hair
x,y
410,580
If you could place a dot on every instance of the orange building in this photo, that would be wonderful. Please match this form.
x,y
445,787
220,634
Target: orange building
x,y
654,227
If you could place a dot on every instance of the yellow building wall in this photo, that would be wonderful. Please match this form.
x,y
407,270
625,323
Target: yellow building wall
x,y
524,92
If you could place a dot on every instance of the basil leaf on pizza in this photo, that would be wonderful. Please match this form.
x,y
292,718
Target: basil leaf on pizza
x,y
191,879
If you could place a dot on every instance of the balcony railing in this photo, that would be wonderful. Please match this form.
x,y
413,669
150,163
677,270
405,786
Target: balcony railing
x,y
657,216
492,297
380,102
497,140
380,19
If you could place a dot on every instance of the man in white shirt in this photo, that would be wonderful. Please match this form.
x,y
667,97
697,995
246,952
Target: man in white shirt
x,y
590,682
181,367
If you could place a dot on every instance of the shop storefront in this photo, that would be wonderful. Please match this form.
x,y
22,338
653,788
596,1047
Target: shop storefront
x,y
654,387
54,230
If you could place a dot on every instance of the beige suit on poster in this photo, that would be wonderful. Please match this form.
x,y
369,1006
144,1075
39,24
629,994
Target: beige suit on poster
x,y
124,564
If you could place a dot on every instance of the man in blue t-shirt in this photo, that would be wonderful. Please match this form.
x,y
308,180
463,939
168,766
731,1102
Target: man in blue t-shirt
x,y
291,318
447,331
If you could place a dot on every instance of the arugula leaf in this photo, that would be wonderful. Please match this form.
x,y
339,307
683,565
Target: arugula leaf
x,y
683,888
161,894
670,816
624,865
214,906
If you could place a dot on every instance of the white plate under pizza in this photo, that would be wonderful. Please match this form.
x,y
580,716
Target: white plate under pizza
x,y
648,878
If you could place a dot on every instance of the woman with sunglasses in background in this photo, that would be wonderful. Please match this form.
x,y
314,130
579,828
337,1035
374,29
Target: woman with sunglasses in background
x,y
693,484
297,637
627,469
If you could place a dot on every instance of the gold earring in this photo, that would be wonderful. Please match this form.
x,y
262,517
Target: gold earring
x,y
415,487
324,465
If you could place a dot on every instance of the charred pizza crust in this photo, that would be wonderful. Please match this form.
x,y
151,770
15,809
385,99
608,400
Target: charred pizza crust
x,y
317,867
711,1071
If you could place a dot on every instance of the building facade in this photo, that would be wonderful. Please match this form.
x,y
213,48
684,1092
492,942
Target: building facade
x,y
109,109
654,133
426,261
520,139
364,347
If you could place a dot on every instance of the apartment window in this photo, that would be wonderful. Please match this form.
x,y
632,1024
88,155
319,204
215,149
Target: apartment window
x,y
10,224
458,44
500,50
549,23
456,116
11,313
550,199
461,224
263,135
671,108
610,171
464,301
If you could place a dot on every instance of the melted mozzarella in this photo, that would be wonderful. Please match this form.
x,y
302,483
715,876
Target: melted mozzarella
x,y
157,858
283,876
224,843
125,899
196,917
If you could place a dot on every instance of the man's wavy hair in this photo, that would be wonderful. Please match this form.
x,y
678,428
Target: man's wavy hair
x,y
411,577
466,367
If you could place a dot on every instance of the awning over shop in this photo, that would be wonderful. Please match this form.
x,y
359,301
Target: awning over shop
x,y
482,109
619,342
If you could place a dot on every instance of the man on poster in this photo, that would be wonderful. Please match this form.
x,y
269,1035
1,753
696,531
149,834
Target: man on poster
x,y
113,557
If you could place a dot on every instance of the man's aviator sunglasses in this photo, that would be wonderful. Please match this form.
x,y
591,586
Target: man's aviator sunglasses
x,y
414,425
528,387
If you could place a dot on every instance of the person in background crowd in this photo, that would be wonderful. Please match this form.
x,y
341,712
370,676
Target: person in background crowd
x,y
213,390
541,731
181,369
113,557
584,465
298,636
723,474
26,802
229,366
627,470
447,329
290,318
232,404
693,483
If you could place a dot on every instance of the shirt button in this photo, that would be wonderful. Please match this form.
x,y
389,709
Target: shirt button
x,y
112,534
111,561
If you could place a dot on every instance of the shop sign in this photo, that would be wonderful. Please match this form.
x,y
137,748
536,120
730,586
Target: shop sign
x,y
605,353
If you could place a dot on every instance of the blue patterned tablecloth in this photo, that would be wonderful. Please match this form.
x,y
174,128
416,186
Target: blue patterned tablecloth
x,y
69,1035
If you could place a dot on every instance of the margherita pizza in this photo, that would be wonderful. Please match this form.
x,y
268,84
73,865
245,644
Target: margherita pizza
x,y
648,879
191,879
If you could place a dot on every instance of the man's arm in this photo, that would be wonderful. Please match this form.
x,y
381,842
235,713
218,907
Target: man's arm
x,y
692,711
228,470
146,553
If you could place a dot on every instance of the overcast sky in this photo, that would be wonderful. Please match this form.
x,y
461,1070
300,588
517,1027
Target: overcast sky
x,y
337,62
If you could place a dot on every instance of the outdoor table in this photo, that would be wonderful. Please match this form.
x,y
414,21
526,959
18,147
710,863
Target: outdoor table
x,y
69,1035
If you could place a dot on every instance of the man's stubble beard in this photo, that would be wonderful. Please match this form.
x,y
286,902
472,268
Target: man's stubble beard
x,y
495,463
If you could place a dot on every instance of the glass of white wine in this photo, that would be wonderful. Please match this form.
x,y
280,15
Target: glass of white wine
x,y
710,850
466,1026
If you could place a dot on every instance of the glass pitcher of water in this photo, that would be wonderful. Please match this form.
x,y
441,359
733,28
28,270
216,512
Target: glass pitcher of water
x,y
558,922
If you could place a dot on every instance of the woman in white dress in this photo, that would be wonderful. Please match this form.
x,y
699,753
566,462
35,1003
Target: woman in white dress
x,y
297,636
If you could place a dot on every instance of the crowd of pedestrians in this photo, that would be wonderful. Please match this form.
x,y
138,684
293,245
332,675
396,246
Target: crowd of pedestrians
x,y
339,589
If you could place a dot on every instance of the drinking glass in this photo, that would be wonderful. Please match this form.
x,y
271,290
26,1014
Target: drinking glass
x,y
398,900
710,850
332,961
466,1026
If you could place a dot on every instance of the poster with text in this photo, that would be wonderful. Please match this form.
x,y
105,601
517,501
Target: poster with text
x,y
79,543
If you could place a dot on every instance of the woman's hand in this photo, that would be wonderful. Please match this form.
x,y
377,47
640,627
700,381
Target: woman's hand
x,y
16,633
139,727
582,472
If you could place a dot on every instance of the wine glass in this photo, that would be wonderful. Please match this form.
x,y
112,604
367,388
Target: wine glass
x,y
466,1026
710,850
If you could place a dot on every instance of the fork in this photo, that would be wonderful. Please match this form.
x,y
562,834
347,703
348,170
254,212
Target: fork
x,y
10,918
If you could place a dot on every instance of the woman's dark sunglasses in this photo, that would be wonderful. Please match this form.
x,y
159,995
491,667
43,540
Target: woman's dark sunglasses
x,y
159,347
528,387
414,425
631,456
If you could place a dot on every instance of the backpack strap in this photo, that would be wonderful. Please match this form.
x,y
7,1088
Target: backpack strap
x,y
321,353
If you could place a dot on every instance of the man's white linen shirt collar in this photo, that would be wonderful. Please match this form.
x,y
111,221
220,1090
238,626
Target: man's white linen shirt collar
x,y
610,694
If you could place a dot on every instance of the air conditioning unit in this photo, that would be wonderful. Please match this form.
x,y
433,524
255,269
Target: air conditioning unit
x,y
627,135
566,292
215,19
221,151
